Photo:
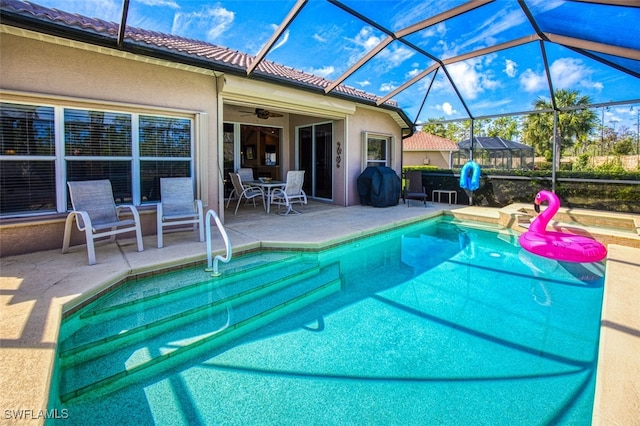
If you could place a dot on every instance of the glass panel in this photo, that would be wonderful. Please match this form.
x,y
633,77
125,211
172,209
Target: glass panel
x,y
27,187
326,47
152,171
97,133
165,137
305,160
609,24
376,151
118,172
322,178
26,130
228,152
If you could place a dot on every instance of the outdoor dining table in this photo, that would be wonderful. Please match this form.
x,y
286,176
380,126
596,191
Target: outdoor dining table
x,y
267,187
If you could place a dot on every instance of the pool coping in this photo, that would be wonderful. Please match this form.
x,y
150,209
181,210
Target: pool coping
x,y
618,376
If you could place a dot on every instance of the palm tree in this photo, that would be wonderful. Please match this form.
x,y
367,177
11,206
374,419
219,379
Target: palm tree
x,y
573,123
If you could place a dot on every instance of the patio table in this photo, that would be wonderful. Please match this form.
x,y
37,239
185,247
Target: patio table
x,y
268,188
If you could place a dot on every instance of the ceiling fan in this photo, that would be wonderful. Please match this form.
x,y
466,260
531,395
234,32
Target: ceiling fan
x,y
263,113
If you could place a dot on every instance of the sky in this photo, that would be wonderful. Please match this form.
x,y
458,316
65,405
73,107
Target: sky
x,y
326,41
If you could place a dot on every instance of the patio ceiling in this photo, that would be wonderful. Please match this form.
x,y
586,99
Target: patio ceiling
x,y
440,59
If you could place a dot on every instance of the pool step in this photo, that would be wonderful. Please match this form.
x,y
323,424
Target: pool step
x,y
139,353
151,316
144,293
140,306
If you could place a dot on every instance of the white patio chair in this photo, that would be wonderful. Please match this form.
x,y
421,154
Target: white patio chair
x,y
248,193
97,215
178,206
246,175
291,194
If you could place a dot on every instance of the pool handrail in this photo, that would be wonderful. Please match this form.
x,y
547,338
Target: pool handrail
x,y
213,266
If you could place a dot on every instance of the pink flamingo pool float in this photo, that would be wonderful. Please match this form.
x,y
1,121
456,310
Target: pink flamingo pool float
x,y
558,245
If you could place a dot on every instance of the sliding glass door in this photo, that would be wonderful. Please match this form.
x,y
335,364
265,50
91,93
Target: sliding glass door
x,y
315,147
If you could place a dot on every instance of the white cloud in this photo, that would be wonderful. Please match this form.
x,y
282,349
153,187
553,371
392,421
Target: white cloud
x,y
366,39
317,37
469,80
566,73
363,83
324,71
492,26
532,82
283,39
447,108
510,68
438,30
387,87
412,73
212,21
162,3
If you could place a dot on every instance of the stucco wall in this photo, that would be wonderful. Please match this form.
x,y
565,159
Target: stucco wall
x,y
434,158
89,79
372,121
38,68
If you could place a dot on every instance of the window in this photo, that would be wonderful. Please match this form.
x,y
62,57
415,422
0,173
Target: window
x,y
27,159
165,151
132,150
377,150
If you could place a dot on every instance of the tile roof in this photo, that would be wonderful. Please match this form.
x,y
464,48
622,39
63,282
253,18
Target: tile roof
x,y
214,56
422,141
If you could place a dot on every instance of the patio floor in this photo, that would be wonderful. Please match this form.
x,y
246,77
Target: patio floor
x,y
34,289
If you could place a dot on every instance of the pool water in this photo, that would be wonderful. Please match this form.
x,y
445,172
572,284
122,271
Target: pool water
x,y
434,323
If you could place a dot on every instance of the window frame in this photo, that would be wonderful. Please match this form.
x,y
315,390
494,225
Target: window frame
x,y
61,159
388,151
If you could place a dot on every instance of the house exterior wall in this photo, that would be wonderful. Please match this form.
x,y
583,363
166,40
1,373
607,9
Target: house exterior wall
x,y
439,159
38,68
371,121
80,76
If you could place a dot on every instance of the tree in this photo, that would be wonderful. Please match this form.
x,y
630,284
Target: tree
x,y
573,124
504,127
454,130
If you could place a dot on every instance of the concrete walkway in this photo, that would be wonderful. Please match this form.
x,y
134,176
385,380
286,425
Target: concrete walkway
x,y
36,289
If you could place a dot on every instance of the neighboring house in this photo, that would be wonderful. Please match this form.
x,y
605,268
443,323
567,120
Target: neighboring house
x,y
423,148
78,103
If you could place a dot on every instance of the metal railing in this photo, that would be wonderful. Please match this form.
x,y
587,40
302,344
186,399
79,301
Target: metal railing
x,y
212,265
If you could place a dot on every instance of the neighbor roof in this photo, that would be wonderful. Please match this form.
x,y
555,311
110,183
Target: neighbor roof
x,y
492,143
438,59
423,141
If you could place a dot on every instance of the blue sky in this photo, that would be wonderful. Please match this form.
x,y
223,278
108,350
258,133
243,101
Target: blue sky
x,y
326,41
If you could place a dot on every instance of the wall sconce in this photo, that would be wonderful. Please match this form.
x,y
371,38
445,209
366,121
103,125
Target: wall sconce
x,y
338,154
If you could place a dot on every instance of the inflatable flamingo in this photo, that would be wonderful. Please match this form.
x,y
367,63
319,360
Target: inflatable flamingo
x,y
558,245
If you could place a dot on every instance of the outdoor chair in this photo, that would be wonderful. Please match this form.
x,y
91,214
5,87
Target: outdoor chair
x,y
178,206
246,192
246,174
97,215
413,188
291,194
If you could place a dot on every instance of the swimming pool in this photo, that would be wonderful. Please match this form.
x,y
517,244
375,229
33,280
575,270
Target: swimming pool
x,y
434,323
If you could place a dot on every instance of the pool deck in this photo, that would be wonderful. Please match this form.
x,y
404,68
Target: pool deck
x,y
35,289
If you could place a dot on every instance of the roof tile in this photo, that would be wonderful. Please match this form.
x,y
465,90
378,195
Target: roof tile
x,y
187,47
422,141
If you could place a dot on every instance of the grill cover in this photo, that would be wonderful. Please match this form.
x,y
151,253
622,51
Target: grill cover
x,y
379,187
